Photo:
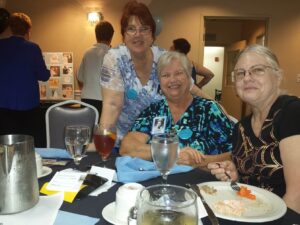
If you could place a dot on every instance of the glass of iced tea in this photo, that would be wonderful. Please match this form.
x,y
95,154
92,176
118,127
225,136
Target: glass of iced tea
x,y
104,140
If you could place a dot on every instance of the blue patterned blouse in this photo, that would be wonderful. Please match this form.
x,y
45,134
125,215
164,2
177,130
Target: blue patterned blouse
x,y
118,74
203,126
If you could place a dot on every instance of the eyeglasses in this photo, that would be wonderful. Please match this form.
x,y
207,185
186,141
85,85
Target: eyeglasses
x,y
133,30
254,71
177,74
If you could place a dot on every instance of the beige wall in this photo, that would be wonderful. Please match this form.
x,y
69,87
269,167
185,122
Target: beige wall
x,y
60,25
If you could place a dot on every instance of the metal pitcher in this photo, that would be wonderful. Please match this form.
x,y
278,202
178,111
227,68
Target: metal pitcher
x,y
19,188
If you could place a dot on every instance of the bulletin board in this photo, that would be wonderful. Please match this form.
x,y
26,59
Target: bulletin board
x,y
60,85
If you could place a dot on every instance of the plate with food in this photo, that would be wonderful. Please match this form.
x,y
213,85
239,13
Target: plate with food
x,y
250,204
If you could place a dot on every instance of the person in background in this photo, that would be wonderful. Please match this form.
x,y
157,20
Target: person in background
x,y
204,131
22,66
128,75
4,18
183,46
266,143
89,70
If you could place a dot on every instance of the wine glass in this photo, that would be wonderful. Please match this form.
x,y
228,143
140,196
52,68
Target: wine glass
x,y
164,150
77,138
177,205
104,140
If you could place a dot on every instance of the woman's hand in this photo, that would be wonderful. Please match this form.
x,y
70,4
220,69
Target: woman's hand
x,y
191,157
218,169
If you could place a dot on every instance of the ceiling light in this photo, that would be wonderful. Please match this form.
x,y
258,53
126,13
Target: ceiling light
x,y
94,17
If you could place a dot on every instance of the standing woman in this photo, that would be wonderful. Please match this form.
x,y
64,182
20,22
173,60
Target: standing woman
x,y
128,75
183,46
4,18
22,66
129,78
266,151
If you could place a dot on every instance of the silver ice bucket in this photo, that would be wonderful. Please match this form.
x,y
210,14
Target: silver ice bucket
x,y
19,188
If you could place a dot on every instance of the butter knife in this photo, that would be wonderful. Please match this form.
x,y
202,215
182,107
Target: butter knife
x,y
211,216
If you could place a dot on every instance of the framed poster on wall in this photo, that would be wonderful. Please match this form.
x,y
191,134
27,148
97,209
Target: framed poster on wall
x,y
60,85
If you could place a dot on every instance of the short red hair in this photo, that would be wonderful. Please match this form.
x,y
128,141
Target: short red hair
x,y
140,10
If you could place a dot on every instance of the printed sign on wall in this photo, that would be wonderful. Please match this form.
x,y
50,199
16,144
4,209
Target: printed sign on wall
x,y
60,85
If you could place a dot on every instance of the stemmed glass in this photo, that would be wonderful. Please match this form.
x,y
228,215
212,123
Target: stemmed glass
x,y
104,140
164,150
77,138
166,205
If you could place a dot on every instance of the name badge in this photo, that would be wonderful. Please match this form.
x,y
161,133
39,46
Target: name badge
x,y
159,125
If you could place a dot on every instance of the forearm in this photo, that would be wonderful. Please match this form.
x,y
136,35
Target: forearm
x,y
292,200
214,158
205,73
204,81
110,114
112,106
290,155
134,145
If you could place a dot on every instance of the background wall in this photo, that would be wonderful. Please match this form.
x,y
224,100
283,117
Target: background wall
x,y
61,25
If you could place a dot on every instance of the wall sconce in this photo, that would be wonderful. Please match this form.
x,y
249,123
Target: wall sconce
x,y
94,17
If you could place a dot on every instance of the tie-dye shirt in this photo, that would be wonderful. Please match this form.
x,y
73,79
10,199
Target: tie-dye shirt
x,y
118,74
203,126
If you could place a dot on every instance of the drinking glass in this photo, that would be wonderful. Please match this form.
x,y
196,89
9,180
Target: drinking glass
x,y
164,150
104,140
77,138
177,206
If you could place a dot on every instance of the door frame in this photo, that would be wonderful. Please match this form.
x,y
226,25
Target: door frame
x,y
228,92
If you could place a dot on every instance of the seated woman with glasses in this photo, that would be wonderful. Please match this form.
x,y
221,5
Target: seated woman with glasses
x,y
128,75
266,149
204,131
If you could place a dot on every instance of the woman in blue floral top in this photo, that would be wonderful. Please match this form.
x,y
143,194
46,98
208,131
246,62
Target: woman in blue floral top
x,y
129,71
203,129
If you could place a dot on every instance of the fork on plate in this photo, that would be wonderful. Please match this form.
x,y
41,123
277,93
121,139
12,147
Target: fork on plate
x,y
233,184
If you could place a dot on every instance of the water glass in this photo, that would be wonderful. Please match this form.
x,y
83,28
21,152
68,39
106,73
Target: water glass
x,y
164,150
77,138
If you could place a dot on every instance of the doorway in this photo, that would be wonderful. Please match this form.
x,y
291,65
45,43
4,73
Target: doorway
x,y
214,60
232,34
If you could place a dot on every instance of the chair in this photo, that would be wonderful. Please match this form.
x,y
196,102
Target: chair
x,y
218,95
66,113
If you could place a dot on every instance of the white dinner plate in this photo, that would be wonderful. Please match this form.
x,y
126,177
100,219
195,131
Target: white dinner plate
x,y
45,171
266,207
108,214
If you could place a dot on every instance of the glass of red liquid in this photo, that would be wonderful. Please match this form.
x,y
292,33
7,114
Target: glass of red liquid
x,y
104,140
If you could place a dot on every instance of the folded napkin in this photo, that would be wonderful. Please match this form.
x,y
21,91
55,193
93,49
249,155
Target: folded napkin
x,y
67,218
136,169
44,212
53,153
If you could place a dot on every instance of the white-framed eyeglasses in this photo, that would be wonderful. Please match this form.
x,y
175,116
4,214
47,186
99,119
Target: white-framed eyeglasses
x,y
130,30
254,71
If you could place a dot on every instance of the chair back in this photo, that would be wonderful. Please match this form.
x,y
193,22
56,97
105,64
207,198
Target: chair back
x,y
66,113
